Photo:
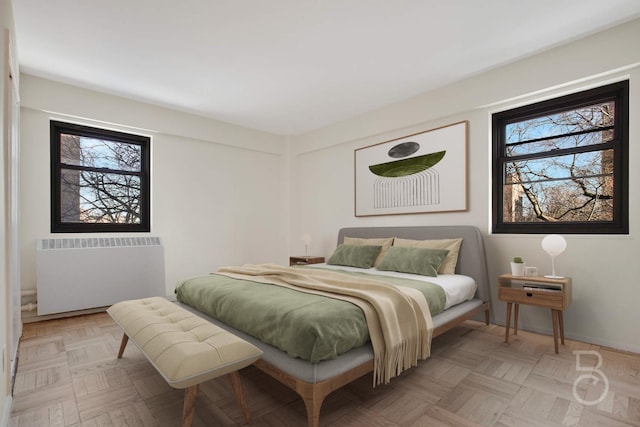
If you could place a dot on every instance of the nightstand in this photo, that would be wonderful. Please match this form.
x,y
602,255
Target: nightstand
x,y
540,291
305,260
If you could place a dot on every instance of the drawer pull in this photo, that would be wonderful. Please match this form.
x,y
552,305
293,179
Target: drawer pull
x,y
529,294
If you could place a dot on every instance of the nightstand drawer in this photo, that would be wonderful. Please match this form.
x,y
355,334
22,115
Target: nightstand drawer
x,y
548,299
305,260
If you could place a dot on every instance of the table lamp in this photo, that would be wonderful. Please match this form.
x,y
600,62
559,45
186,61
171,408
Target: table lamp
x,y
554,245
306,239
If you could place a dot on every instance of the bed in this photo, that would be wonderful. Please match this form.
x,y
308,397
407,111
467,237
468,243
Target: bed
x,y
314,381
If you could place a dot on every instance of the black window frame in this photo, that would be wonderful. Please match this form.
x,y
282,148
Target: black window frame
x,y
57,226
619,93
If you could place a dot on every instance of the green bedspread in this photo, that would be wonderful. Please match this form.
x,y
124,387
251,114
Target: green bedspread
x,y
304,325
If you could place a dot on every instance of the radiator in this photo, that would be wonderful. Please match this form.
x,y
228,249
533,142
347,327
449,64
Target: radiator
x,y
81,273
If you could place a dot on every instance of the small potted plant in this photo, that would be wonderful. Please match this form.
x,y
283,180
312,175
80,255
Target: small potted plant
x,y
517,266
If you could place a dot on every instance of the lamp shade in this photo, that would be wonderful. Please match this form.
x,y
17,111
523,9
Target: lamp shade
x,y
554,244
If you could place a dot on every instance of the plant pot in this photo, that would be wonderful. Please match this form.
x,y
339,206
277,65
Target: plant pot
x,y
517,268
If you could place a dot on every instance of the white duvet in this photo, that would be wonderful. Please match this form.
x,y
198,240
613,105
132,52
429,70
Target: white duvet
x,y
457,287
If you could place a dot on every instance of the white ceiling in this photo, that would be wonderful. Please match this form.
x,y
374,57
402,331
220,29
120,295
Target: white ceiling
x,y
291,66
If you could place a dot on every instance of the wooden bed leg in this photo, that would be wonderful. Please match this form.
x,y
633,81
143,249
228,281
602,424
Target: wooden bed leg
x,y
190,395
236,385
486,316
313,413
123,344
313,405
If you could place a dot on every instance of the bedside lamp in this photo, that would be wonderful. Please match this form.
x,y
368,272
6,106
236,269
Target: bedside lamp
x,y
306,239
554,245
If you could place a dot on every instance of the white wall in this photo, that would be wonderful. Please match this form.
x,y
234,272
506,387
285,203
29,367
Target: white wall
x,y
218,190
606,292
6,308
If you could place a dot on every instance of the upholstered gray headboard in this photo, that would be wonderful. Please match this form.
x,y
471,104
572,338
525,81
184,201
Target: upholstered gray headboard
x,y
472,260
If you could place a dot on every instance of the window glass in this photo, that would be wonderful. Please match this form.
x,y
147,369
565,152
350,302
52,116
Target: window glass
x,y
99,153
573,121
96,197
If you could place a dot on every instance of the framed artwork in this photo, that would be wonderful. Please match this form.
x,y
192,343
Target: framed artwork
x,y
423,172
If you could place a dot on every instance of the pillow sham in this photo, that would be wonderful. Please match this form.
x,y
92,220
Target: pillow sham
x,y
361,256
385,243
452,245
423,261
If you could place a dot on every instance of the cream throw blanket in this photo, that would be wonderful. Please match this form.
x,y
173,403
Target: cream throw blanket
x,y
398,318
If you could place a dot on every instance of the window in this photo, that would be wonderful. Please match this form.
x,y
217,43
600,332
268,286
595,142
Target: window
x,y
561,166
99,180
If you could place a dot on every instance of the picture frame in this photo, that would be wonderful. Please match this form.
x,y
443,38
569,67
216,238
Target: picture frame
x,y
418,173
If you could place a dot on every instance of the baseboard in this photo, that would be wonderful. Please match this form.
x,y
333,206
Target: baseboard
x,y
6,412
36,318
606,343
629,348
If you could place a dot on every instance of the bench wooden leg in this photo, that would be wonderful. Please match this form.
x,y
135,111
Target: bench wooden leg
x,y
236,385
190,395
123,344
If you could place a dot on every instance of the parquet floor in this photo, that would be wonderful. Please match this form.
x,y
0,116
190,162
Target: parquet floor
x,y
68,375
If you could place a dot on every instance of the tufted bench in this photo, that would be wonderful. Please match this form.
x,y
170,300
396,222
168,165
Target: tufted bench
x,y
184,348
